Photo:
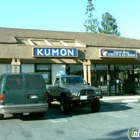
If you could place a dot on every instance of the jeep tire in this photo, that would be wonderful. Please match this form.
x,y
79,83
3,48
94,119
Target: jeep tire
x,y
95,105
65,106
1,116
50,99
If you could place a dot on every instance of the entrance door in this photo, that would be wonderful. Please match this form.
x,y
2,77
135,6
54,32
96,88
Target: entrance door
x,y
124,79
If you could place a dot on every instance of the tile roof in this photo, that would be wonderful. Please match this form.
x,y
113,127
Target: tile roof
x,y
90,39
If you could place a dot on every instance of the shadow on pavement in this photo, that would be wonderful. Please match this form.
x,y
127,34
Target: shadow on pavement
x,y
119,134
55,113
111,106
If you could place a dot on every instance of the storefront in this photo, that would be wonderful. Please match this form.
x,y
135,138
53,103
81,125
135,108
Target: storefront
x,y
109,62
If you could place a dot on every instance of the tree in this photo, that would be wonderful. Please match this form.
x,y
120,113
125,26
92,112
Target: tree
x,y
91,24
109,25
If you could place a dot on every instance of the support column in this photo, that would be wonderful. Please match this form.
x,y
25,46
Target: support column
x,y
18,65
89,72
85,72
13,63
15,66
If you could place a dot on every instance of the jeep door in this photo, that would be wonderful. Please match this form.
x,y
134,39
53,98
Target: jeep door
x,y
35,89
14,92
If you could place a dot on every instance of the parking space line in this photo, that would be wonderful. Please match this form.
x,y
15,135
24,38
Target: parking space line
x,y
56,121
116,115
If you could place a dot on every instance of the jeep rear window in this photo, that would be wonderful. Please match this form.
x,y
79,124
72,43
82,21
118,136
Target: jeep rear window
x,y
34,82
14,82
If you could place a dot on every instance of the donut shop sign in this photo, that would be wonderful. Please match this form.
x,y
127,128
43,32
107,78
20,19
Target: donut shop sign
x,y
109,53
55,52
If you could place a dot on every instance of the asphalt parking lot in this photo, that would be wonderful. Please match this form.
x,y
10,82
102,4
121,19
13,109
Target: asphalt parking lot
x,y
113,122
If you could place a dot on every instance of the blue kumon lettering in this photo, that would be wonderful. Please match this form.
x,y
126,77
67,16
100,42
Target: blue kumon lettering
x,y
55,52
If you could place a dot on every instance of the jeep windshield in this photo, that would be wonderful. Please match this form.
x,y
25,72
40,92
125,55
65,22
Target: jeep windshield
x,y
73,81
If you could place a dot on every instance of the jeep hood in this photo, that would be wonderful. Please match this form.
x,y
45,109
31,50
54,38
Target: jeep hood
x,y
77,88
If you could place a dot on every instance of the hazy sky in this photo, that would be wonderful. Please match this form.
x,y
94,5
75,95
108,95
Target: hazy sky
x,y
69,15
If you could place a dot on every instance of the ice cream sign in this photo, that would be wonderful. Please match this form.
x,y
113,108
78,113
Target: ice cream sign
x,y
109,53
55,52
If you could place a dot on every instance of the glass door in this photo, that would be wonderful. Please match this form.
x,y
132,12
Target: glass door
x,y
124,79
45,70
137,79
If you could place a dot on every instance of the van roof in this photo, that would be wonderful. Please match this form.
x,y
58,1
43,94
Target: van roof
x,y
20,74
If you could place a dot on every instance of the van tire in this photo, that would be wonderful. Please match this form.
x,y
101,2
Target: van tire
x,y
1,116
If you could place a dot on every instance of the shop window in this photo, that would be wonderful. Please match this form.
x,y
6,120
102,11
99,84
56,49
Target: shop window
x,y
74,70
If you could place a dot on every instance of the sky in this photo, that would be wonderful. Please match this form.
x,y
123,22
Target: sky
x,y
69,15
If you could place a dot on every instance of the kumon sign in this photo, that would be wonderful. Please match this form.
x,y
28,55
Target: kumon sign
x,y
55,52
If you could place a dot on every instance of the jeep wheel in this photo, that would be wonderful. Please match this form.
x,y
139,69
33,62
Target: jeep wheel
x,y
95,105
65,106
50,99
1,116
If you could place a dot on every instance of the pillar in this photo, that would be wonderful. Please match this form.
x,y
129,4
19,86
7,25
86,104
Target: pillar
x,y
85,72
89,72
15,66
18,65
13,63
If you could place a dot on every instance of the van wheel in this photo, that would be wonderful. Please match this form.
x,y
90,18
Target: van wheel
x,y
65,106
1,116
95,105
42,114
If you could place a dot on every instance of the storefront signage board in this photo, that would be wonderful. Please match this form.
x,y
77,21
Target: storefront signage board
x,y
55,52
109,53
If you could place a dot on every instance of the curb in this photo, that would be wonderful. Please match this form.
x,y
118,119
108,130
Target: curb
x,y
123,98
130,101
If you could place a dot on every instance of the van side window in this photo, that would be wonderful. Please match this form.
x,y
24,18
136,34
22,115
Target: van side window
x,y
34,82
14,82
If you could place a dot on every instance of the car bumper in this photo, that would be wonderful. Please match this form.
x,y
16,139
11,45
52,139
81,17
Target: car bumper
x,y
11,109
91,97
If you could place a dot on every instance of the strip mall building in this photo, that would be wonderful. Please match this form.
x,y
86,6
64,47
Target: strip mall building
x,y
109,62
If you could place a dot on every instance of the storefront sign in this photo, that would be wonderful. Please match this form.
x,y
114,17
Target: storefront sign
x,y
55,52
106,53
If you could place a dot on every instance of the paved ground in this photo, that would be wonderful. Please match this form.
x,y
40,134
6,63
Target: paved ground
x,y
113,122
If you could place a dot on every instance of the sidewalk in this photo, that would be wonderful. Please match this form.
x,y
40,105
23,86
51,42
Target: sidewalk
x,y
125,98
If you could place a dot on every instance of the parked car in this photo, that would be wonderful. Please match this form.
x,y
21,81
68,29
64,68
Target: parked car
x,y
72,91
22,93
